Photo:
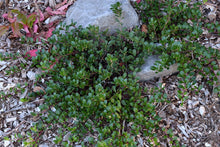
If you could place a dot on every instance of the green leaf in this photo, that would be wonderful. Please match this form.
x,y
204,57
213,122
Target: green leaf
x,y
31,19
21,17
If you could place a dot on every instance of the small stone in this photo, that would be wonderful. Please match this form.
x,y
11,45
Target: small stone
x,y
208,145
31,75
202,110
6,143
23,74
189,104
53,109
37,109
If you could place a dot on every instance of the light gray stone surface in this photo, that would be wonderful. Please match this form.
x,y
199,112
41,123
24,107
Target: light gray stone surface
x,y
98,12
146,73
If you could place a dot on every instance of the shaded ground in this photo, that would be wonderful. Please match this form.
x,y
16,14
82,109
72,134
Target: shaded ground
x,y
196,122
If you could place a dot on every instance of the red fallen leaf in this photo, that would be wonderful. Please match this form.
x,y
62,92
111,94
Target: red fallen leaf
x,y
38,89
61,4
35,26
49,32
9,17
31,53
51,12
26,28
138,1
41,16
63,8
5,16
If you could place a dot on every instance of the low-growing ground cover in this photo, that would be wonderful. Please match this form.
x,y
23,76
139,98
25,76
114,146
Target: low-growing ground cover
x,y
89,91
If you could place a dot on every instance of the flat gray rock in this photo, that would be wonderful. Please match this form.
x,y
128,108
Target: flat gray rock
x,y
98,13
146,73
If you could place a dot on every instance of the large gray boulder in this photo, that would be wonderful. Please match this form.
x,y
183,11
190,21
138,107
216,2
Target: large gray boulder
x,y
98,12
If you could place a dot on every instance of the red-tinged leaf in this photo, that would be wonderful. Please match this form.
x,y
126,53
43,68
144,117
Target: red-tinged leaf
x,y
41,16
49,32
11,20
5,15
9,17
3,29
31,53
35,28
51,12
28,35
26,29
52,65
31,19
16,29
138,1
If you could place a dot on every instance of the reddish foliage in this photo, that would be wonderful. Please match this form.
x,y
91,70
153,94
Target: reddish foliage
x,y
138,1
31,53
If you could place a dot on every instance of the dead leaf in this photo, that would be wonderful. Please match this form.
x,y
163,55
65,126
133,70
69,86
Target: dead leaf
x,y
144,28
190,22
212,16
38,89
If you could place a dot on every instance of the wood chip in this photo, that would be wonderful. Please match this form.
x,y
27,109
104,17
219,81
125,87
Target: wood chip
x,y
38,89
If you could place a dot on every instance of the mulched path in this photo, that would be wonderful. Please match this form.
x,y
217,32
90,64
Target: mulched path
x,y
195,122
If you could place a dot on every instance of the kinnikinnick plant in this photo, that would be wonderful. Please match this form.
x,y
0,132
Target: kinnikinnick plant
x,y
177,27
92,75
94,81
